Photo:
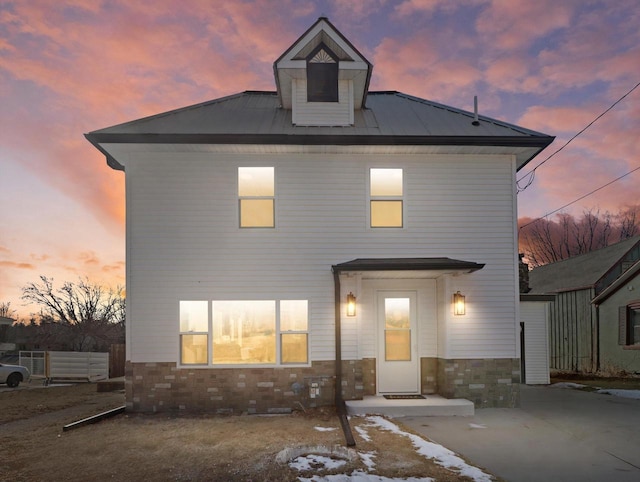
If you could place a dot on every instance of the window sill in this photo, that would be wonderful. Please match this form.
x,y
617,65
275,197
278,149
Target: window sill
x,y
244,366
631,347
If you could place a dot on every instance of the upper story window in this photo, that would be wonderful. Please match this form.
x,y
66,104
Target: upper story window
x,y
322,75
386,202
256,195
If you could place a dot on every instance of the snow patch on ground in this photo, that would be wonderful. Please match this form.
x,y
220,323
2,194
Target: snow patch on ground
x,y
616,392
567,385
316,462
327,461
359,476
367,459
325,429
476,425
635,394
363,433
438,453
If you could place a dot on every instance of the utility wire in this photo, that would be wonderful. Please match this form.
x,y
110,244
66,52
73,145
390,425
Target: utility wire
x,y
581,197
532,173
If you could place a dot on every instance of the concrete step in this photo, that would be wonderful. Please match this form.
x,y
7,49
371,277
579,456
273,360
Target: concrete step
x,y
430,406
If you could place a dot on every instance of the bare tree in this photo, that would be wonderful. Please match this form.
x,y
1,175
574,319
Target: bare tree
x,y
7,311
547,240
86,315
628,222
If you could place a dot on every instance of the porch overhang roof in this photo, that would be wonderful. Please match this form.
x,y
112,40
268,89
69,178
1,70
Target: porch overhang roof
x,y
420,266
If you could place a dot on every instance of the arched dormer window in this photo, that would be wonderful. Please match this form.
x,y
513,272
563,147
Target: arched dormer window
x,y
322,75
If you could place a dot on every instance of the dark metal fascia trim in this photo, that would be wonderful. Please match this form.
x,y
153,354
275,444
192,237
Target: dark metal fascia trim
x,y
111,161
469,267
318,139
527,297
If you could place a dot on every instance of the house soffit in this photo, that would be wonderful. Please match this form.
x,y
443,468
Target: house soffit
x,y
322,39
406,268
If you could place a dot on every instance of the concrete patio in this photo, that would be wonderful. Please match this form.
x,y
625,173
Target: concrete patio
x,y
430,406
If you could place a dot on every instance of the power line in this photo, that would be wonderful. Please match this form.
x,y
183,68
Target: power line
x,y
581,197
532,173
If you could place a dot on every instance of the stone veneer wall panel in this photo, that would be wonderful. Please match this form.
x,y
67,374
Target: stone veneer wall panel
x,y
486,382
428,375
159,387
369,376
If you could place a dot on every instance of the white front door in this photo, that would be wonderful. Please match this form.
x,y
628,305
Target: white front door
x,y
398,363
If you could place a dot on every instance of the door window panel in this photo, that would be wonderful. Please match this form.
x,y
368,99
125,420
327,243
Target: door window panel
x,y
397,333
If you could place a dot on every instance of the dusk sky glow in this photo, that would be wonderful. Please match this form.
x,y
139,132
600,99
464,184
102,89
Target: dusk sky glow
x,y
73,66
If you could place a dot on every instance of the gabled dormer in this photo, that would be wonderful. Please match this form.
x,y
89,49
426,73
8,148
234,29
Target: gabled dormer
x,y
322,78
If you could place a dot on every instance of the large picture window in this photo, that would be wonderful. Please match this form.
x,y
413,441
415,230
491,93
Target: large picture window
x,y
256,195
244,332
386,202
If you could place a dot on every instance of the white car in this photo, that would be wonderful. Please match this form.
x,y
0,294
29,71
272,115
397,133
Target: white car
x,y
12,375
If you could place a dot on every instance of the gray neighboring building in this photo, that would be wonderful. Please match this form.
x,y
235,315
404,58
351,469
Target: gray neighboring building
x,y
595,318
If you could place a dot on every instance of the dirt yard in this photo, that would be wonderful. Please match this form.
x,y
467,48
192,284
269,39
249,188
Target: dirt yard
x,y
163,447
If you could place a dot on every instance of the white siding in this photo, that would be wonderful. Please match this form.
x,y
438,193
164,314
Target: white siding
x,y
322,113
184,242
535,316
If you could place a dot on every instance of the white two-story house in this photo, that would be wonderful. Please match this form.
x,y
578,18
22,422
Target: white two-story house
x,y
282,244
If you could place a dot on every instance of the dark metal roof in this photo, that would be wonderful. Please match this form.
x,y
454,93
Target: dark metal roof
x,y
251,113
620,282
579,272
407,264
391,118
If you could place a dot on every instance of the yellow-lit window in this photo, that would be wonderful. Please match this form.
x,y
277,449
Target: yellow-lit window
x,y
256,194
244,332
294,338
386,202
194,329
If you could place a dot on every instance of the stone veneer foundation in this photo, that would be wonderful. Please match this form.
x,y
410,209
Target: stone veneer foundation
x,y
492,382
162,387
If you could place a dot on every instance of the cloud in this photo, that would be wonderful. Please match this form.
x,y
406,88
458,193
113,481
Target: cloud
x,y
415,66
39,257
408,8
514,24
344,9
89,257
115,268
12,264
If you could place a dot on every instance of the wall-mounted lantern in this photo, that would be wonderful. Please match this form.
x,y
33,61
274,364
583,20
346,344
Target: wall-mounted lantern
x,y
458,304
351,304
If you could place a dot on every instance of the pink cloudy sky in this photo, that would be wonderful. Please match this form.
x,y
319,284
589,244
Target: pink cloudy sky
x,y
68,67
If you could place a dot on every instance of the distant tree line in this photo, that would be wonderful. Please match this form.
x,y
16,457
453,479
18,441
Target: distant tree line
x,y
544,241
79,316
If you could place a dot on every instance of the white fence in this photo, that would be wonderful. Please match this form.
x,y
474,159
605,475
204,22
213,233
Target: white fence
x,y
67,365
35,361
